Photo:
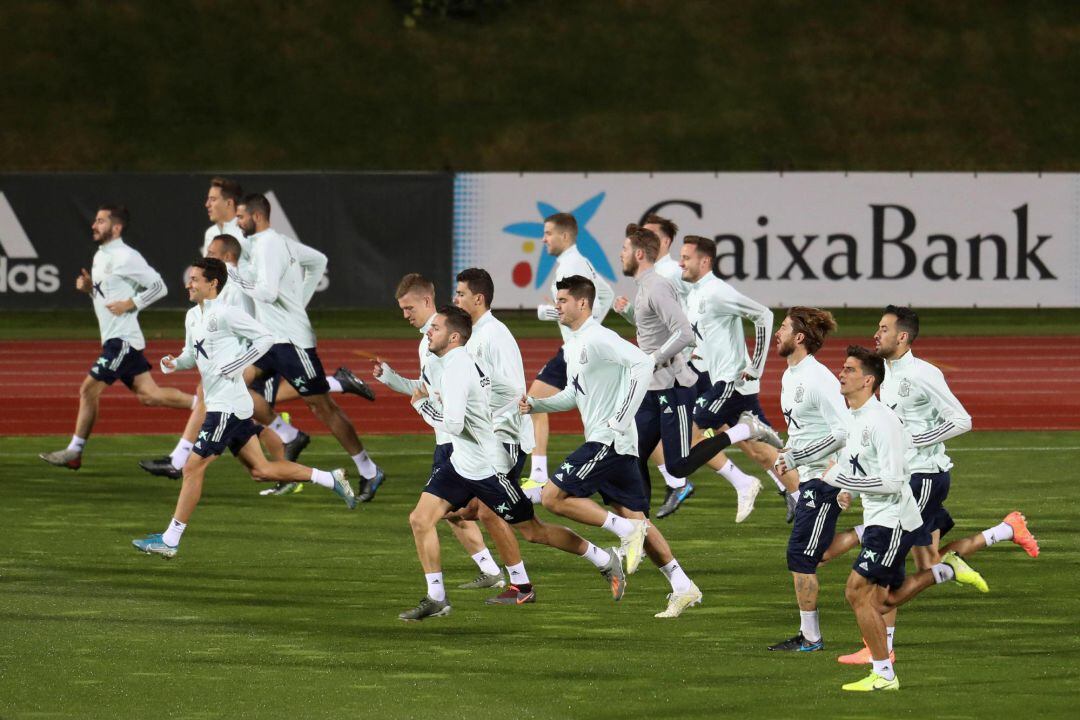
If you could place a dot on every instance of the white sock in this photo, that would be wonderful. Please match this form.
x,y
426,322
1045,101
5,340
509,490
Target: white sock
x,y
884,668
321,477
435,588
517,573
539,466
678,578
889,633
334,383
776,479
738,433
598,557
284,430
76,443
172,534
859,530
485,562
364,465
998,533
180,453
670,480
738,479
943,573
618,525
808,625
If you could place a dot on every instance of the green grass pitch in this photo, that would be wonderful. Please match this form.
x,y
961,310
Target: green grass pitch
x,y
287,607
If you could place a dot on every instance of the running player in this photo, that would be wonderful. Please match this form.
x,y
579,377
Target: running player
x,y
221,340
121,285
281,294
560,239
458,402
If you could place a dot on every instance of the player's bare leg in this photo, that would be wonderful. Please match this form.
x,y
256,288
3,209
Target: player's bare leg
x,y
283,471
684,593
152,395
89,401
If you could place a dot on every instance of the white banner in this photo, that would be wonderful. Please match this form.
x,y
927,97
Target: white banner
x,y
825,239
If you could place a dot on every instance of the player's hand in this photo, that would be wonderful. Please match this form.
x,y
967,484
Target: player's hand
x,y
620,303
844,500
780,466
524,406
84,283
377,367
419,394
168,364
749,376
119,307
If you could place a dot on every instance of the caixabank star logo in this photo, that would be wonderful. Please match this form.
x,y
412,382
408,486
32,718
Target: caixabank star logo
x,y
533,232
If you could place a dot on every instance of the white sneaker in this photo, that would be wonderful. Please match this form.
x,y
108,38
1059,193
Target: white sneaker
x,y
632,547
677,602
760,431
746,501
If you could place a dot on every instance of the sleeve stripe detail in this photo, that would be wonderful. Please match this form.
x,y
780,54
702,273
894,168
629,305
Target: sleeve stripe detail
x,y
935,432
248,357
626,401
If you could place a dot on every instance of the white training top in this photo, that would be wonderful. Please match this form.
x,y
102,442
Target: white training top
x,y
918,394
606,378
873,465
120,272
277,285
430,370
214,340
716,310
464,412
229,228
493,346
572,262
816,416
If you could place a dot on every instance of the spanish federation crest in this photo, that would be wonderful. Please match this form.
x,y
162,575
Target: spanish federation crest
x,y
211,324
905,388
865,436
800,392
701,306
584,358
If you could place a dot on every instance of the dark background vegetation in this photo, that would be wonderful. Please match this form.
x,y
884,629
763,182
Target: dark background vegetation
x,y
539,85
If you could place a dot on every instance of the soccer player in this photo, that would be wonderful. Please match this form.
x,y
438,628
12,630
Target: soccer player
x,y
560,239
608,378
716,311
281,293
662,333
457,402
416,298
221,340
122,284
817,427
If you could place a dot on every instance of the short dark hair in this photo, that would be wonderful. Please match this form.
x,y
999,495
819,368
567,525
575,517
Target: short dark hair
x,y
871,363
457,321
257,203
579,288
414,283
232,245
814,324
230,189
479,282
213,270
667,227
645,240
563,221
117,213
704,246
907,320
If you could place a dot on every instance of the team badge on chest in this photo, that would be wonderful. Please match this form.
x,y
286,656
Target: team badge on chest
x,y
800,393
211,324
584,358
905,388
865,436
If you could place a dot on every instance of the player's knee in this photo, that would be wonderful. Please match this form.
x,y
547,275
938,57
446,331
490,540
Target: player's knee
x,y
148,398
418,521
551,501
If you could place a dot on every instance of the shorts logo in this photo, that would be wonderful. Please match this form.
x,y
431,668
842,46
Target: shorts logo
x,y
503,508
864,566
298,383
559,476
800,392
102,361
203,435
700,402
870,555
810,503
668,410
905,388
809,495
566,467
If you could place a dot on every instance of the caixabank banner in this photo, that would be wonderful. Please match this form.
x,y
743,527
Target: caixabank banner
x,y
373,228
827,239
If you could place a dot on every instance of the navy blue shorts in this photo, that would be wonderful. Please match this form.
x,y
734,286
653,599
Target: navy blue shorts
x,y
597,468
930,491
223,430
300,367
267,385
703,384
497,492
664,417
442,454
721,405
119,361
884,550
814,528
554,372
444,451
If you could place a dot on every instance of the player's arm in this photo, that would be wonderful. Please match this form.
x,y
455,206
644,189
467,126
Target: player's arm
x,y
450,418
247,327
186,359
605,296
626,310
669,310
136,269
559,402
313,263
953,418
396,382
264,284
641,368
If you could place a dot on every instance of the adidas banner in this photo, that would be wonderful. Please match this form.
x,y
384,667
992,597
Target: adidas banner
x,y
374,228
858,240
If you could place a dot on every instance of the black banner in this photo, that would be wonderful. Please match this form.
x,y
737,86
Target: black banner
x,y
374,228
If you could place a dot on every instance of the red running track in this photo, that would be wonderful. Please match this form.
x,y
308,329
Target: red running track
x,y
1008,383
